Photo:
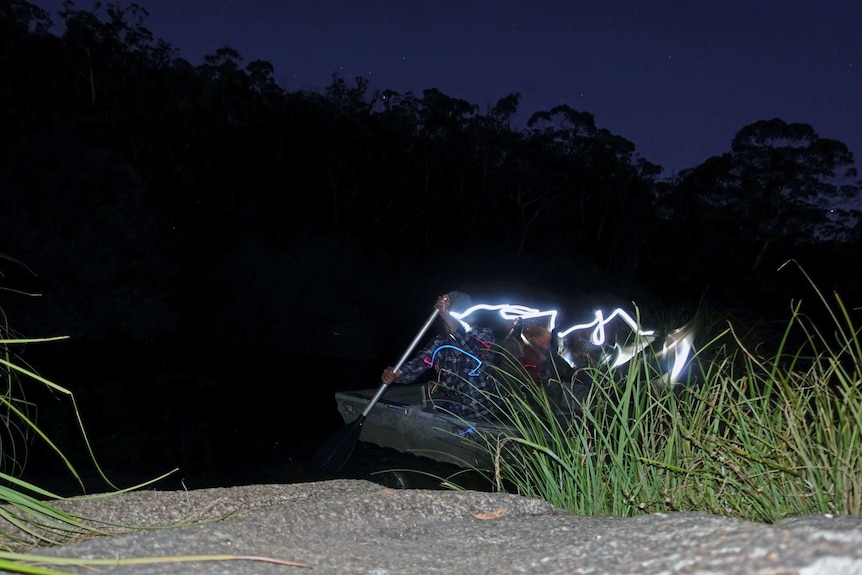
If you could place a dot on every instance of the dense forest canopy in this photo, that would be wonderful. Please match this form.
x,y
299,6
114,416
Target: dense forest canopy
x,y
152,196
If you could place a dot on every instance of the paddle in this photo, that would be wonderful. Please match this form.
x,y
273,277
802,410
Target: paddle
x,y
333,454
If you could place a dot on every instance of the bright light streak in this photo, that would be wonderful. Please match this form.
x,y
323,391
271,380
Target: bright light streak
x,y
623,355
679,343
509,312
598,334
681,357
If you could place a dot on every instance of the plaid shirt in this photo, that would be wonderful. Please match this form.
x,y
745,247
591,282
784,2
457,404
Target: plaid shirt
x,y
463,380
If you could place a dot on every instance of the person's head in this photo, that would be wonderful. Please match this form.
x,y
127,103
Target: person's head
x,y
538,336
461,302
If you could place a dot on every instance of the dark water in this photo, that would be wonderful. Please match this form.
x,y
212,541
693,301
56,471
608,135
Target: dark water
x,y
235,417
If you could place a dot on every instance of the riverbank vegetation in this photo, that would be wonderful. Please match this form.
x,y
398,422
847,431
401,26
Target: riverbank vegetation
x,y
760,432
30,518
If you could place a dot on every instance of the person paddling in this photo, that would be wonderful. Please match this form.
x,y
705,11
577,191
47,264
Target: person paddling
x,y
459,357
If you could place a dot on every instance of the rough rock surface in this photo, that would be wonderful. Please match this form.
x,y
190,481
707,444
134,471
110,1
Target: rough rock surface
x,y
352,526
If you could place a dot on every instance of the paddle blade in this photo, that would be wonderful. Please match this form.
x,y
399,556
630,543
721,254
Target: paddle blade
x,y
333,454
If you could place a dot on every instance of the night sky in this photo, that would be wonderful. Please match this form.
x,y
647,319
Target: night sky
x,y
678,78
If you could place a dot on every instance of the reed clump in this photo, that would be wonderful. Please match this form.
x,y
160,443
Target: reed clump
x,y
750,434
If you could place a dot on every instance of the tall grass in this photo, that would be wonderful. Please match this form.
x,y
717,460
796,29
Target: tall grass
x,y
28,519
752,436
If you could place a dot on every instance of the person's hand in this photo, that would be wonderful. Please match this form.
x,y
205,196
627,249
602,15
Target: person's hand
x,y
389,375
443,304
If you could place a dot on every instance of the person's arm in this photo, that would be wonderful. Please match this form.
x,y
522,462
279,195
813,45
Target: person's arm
x,y
410,370
420,363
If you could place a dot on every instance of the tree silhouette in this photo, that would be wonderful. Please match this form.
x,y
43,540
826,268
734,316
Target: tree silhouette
x,y
216,161
777,187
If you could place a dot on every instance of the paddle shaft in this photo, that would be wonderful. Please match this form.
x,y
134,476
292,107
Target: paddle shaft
x,y
401,361
332,456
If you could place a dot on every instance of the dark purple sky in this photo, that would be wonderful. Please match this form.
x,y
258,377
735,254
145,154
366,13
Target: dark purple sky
x,y
679,78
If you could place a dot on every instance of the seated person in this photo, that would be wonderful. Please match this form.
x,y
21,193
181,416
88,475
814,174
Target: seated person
x,y
459,357
531,345
535,354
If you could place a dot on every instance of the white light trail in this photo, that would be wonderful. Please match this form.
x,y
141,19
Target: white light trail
x,y
597,337
509,312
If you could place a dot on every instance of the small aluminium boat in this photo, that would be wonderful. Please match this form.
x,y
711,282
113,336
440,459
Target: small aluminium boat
x,y
401,421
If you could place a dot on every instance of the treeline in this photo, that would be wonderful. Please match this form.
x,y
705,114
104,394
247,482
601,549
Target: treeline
x,y
151,196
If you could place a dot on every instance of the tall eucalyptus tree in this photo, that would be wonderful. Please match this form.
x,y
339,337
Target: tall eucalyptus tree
x,y
780,187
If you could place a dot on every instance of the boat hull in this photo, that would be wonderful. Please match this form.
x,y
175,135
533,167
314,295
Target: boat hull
x,y
400,421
